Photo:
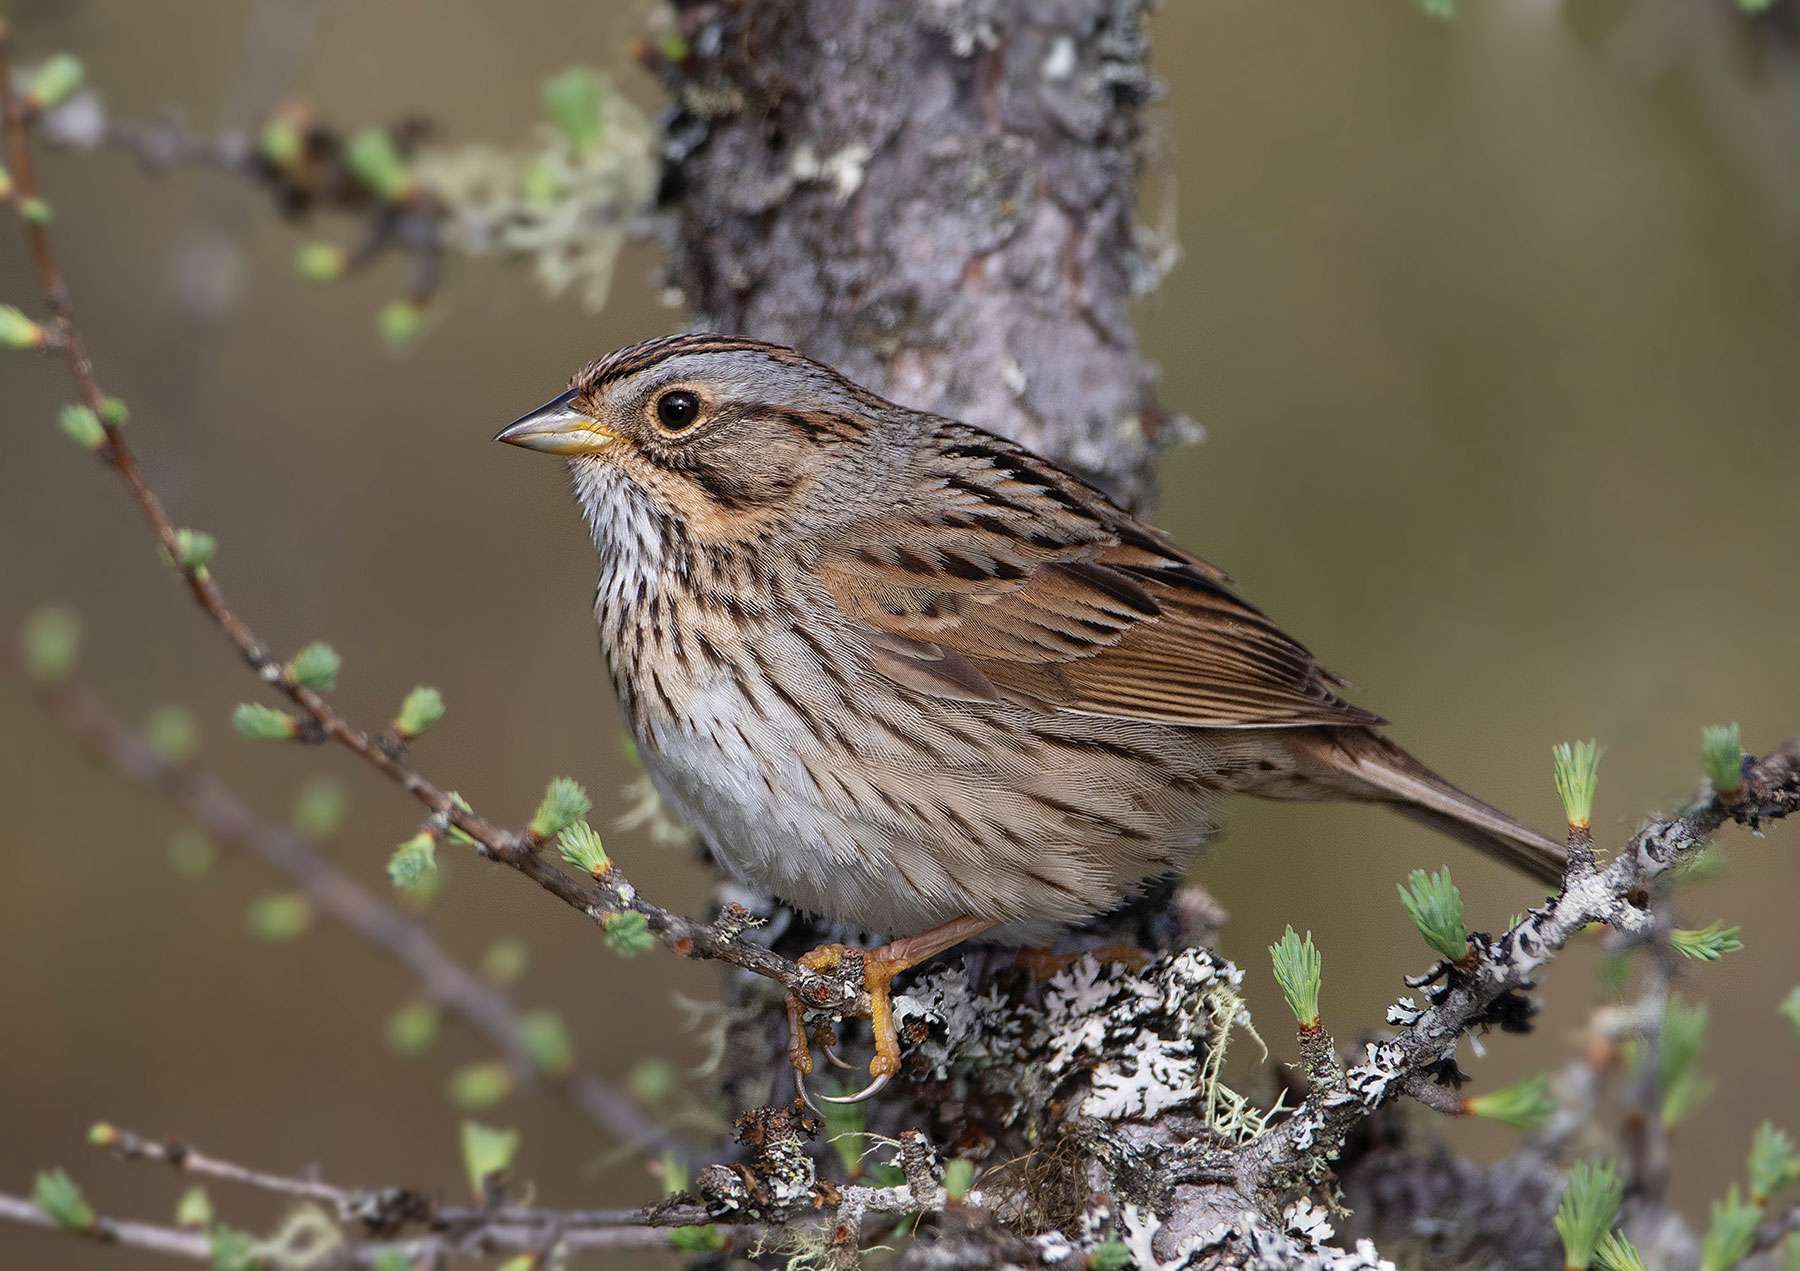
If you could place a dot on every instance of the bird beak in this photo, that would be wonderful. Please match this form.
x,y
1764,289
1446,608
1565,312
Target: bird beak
x,y
557,428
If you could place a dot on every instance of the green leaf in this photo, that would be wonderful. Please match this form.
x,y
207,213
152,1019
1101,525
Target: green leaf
x,y
233,1250
172,734
371,156
1444,10
581,847
315,667
281,143
475,1087
414,863
55,81
1722,756
1790,1007
547,1040
191,854
194,1209
707,1239
392,1260
423,708
1773,1164
1577,766
1615,1253
36,211
572,100
959,1178
400,323
279,917
1436,908
1731,1233
457,833
195,549
1590,1202
61,1201
320,807
1299,970
628,934
1524,1106
82,426
114,412
52,640
413,1028
653,1081
1679,1080
18,331
486,1152
264,723
1706,944
321,262
505,960
563,804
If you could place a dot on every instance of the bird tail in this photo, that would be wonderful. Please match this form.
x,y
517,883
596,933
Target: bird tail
x,y
1358,763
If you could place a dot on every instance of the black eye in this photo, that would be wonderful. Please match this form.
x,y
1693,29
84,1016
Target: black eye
x,y
677,409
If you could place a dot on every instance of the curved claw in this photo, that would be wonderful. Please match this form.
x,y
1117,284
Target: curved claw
x,y
868,1092
831,1057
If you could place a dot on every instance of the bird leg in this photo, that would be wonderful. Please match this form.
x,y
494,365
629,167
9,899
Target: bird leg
x,y
880,967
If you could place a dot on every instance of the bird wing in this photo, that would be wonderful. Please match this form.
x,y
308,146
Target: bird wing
x,y
1009,580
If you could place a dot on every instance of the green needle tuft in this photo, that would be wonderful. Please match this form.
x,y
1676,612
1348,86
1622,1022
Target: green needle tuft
x,y
1435,905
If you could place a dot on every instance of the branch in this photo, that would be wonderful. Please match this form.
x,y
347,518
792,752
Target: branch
x,y
607,893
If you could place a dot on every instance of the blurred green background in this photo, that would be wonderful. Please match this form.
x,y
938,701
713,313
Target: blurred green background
x,y
1493,325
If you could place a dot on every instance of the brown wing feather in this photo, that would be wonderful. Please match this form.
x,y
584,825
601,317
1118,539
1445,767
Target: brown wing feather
x,y
1029,586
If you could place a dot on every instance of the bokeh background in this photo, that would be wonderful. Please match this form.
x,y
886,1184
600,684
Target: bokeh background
x,y
1494,327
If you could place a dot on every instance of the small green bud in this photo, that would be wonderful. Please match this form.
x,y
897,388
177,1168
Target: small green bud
x,y
628,934
281,143
505,960
400,323
1111,1254
414,863
61,1201
1524,1106
1722,755
315,667
1680,1081
194,1209
1299,970
52,641
1615,1253
55,81
474,1087
320,808
572,100
103,1134
456,833
486,1152
114,412
191,854
1435,905
1773,1163
675,48
563,804
195,549
423,707
1790,1007
1577,766
279,917
1706,944
377,164
1731,1234
36,211
521,1262
321,262
413,1029
172,734
547,1040
581,847
264,723
233,1250
392,1260
82,426
18,331
705,1239
1590,1202
959,1178
653,1081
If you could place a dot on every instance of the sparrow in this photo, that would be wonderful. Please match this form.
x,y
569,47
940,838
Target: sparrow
x,y
908,675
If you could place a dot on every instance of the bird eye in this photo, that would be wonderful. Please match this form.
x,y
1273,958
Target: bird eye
x,y
677,409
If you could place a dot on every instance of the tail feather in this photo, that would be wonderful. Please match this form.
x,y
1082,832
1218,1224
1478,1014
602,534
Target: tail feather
x,y
1362,764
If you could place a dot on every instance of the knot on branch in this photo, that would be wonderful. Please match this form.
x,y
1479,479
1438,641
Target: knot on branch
x,y
779,1180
